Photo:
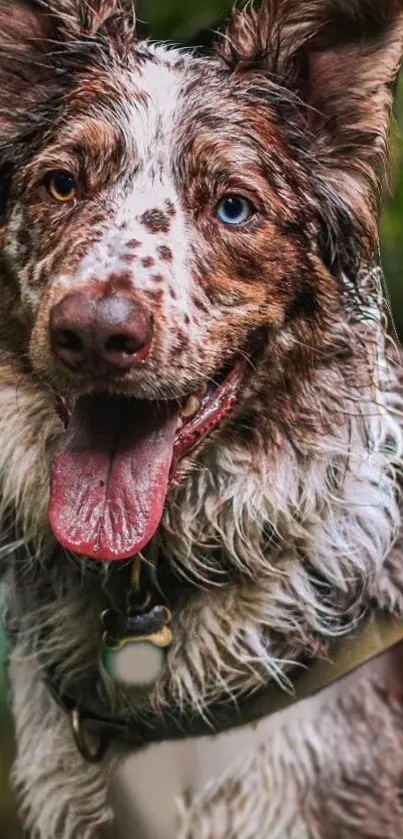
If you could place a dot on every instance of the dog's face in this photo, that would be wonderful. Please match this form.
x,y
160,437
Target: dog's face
x,y
155,246
175,234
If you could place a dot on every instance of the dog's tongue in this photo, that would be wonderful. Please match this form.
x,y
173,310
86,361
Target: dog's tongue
x,y
110,474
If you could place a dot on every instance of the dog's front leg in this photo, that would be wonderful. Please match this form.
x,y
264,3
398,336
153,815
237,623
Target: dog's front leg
x,y
60,795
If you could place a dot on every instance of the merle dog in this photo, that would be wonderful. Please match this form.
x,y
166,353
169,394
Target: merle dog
x,y
195,371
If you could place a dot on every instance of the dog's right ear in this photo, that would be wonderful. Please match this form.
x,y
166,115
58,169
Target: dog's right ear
x,y
43,45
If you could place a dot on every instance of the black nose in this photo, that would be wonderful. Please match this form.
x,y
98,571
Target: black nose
x,y
100,334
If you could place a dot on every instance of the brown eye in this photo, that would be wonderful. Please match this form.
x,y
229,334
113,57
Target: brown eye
x,y
61,186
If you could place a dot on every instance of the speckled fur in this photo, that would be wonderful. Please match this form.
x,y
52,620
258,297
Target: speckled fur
x,y
285,523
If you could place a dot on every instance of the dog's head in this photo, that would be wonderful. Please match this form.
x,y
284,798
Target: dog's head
x,y
183,328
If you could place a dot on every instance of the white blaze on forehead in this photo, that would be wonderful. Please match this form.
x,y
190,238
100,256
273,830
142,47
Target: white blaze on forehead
x,y
153,116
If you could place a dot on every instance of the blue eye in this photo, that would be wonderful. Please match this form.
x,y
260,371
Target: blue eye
x,y
234,210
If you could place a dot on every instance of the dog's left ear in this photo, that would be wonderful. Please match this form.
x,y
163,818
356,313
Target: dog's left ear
x,y
337,61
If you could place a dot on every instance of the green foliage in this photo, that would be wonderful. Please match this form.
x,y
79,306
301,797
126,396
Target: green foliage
x,y
392,219
178,20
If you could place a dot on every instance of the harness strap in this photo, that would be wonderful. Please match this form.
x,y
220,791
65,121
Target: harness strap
x,y
91,712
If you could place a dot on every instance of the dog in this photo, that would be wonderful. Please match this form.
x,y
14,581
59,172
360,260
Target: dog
x,y
196,371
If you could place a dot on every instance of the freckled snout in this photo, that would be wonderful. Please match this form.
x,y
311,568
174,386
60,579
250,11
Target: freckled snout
x,y
100,334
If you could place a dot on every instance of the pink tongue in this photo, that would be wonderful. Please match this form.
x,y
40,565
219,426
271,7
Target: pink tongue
x,y
110,476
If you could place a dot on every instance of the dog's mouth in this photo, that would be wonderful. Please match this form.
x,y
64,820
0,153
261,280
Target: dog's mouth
x,y
112,468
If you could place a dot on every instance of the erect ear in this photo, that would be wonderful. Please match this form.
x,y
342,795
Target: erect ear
x,y
44,43
338,59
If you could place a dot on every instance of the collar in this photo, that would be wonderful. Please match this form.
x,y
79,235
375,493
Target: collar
x,y
86,702
91,713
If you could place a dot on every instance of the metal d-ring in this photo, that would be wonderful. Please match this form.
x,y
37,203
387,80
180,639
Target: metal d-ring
x,y
91,756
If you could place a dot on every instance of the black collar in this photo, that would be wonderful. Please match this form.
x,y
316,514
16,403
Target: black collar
x,y
85,699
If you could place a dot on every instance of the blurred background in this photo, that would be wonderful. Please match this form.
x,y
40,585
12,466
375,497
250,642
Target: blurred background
x,y
177,21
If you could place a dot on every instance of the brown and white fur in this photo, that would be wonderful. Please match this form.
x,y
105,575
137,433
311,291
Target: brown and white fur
x,y
286,519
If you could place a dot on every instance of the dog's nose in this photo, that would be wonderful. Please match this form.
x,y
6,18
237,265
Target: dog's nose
x,y
98,334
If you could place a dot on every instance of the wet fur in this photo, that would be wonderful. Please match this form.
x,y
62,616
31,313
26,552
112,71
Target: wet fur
x,y
286,524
